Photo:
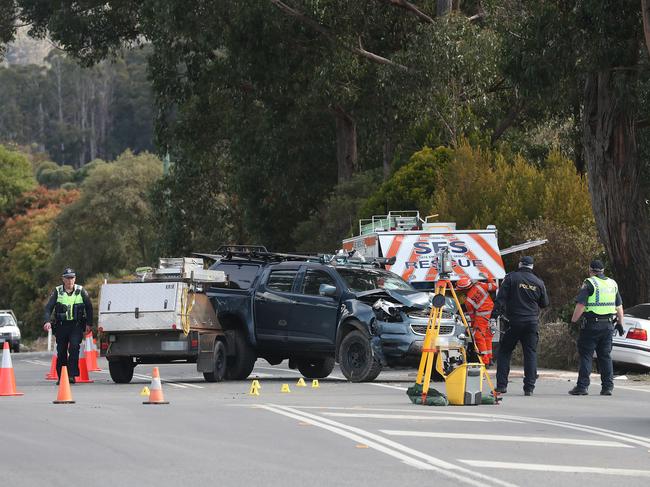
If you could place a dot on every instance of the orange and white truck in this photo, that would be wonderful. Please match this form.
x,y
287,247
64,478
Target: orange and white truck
x,y
415,243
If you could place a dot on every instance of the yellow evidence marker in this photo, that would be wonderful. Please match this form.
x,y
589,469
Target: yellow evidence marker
x,y
301,383
285,388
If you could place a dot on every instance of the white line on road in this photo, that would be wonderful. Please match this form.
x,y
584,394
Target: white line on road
x,y
583,428
557,468
36,362
414,416
515,439
399,388
392,448
280,369
628,388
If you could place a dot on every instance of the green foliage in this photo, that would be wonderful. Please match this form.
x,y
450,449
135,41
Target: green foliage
x,y
55,177
563,261
193,208
15,177
111,226
337,217
481,188
413,185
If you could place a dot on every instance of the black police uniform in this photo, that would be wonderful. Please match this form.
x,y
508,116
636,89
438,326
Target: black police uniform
x,y
69,333
520,297
595,334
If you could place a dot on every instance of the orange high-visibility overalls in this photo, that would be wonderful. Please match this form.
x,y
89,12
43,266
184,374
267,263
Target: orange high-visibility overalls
x,y
479,308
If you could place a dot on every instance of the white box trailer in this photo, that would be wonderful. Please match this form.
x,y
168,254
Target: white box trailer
x,y
415,244
163,317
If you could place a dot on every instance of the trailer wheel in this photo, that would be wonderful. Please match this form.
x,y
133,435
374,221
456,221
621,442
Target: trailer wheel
x,y
316,368
121,370
220,364
356,359
241,364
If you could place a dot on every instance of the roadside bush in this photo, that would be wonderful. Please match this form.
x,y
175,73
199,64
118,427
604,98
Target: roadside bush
x,y
563,261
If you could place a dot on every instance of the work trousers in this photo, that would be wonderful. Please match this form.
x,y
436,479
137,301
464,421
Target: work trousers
x,y
482,338
68,339
596,338
527,334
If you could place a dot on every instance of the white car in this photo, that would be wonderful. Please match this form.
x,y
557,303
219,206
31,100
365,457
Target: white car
x,y
633,348
9,331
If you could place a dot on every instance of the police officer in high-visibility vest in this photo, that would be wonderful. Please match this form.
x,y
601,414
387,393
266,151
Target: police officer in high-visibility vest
x,y
596,304
73,315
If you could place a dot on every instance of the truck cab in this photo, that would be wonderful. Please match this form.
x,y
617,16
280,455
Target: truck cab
x,y
316,312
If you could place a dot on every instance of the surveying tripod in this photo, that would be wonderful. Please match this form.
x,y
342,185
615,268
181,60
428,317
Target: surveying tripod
x,y
430,345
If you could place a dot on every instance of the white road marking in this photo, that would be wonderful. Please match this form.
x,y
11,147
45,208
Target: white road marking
x,y
629,388
557,468
414,416
515,439
394,449
583,428
281,369
35,362
148,377
399,388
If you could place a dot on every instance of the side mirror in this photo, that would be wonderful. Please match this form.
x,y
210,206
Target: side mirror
x,y
327,290
20,323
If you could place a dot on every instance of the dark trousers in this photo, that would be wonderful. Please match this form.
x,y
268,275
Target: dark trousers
x,y
68,339
597,339
527,334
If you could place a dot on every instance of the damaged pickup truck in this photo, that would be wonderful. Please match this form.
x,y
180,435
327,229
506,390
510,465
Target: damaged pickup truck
x,y
315,314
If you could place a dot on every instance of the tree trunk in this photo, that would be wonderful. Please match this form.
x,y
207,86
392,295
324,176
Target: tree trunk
x,y
444,7
388,151
346,144
613,168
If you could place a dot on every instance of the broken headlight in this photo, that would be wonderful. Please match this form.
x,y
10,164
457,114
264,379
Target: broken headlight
x,y
387,311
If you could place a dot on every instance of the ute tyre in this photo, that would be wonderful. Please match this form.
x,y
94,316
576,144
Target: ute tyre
x,y
16,347
356,359
121,370
220,364
316,368
241,364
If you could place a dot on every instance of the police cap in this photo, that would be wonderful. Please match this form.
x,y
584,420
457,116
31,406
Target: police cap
x,y
69,272
526,261
597,266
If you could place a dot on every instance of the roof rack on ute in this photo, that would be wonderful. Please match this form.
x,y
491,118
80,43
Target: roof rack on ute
x,y
257,252
355,258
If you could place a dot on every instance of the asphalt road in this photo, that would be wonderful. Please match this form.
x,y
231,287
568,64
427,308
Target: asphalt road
x,y
338,434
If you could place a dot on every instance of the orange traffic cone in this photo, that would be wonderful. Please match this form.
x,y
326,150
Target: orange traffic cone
x,y
155,390
7,378
64,395
83,367
52,374
91,355
96,352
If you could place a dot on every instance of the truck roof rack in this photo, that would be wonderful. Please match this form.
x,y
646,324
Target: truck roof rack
x,y
256,252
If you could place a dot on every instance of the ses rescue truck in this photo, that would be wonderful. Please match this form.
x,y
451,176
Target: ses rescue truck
x,y
415,245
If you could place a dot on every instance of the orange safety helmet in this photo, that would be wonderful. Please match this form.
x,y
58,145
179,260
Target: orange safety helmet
x,y
463,283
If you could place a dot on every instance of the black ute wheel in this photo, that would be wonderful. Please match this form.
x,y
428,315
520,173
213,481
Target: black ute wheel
x,y
220,364
356,359
241,364
316,368
121,370
16,347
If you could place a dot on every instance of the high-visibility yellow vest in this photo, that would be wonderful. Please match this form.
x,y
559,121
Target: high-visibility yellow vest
x,y
67,302
603,300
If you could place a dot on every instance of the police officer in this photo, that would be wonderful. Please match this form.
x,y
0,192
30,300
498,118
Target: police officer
x,y
519,298
596,304
73,314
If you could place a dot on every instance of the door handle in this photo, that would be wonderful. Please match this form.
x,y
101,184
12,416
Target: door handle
x,y
282,323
